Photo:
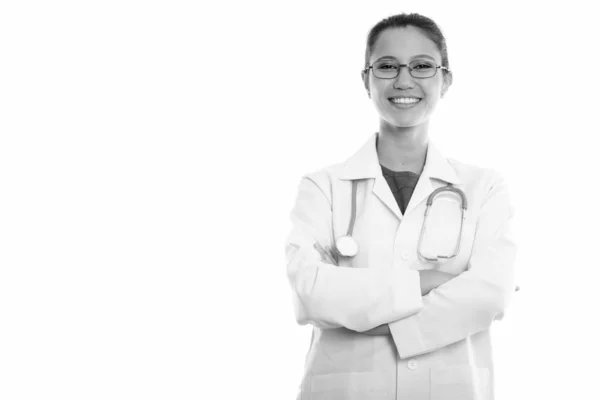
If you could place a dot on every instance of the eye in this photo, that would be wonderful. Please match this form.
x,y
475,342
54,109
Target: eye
x,y
422,65
387,66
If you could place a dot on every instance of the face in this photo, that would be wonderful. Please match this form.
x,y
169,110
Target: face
x,y
405,101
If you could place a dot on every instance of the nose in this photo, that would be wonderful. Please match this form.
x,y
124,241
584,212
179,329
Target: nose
x,y
404,80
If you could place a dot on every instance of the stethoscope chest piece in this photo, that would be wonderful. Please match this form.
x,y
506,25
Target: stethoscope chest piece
x,y
346,246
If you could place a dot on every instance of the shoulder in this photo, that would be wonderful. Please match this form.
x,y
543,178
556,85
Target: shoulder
x,y
472,175
324,178
482,185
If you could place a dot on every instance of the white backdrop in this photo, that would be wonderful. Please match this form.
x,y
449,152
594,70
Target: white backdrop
x,y
149,158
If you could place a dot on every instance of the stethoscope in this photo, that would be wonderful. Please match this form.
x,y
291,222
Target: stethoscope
x,y
347,246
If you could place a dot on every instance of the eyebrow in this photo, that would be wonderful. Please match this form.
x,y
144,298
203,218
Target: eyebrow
x,y
417,56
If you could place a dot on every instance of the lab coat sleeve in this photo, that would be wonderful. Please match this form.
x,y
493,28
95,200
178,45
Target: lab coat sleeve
x,y
468,303
328,296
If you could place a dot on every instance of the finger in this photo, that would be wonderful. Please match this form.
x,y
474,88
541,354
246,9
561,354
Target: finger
x,y
322,252
330,255
335,252
320,249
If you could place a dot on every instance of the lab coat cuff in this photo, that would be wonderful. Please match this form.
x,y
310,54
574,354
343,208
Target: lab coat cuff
x,y
407,337
410,298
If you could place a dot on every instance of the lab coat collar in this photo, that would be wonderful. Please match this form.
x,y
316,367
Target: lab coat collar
x,y
364,164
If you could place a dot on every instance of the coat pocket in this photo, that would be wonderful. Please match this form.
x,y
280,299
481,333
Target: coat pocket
x,y
349,386
460,382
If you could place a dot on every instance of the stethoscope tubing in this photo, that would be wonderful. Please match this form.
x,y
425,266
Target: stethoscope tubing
x,y
463,208
353,215
430,199
448,188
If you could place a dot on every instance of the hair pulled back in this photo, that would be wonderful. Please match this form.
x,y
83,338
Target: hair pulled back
x,y
427,25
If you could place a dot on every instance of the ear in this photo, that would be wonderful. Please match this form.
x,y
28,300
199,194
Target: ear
x,y
447,83
365,78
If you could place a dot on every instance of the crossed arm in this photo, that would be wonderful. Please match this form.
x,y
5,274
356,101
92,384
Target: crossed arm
x,y
328,296
429,279
422,310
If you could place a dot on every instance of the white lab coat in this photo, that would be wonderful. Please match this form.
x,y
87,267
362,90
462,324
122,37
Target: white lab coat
x,y
439,347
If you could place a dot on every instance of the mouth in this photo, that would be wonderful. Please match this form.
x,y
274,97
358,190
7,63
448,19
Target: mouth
x,y
404,102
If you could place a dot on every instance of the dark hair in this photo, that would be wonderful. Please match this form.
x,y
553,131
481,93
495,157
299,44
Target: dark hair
x,y
429,28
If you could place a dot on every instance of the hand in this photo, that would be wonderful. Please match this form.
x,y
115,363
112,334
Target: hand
x,y
327,255
431,279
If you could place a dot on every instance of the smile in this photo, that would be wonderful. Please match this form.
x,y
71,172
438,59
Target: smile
x,y
404,100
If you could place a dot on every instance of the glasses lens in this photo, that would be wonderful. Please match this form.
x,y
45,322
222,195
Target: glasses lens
x,y
385,69
422,68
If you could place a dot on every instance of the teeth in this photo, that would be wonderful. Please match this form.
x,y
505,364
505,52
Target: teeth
x,y
405,100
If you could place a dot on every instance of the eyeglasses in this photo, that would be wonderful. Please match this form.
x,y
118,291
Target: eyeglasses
x,y
390,69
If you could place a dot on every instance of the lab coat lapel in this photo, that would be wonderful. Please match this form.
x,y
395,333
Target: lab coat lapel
x,y
382,190
422,190
364,164
436,173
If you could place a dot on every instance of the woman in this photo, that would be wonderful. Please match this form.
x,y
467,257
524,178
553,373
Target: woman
x,y
407,316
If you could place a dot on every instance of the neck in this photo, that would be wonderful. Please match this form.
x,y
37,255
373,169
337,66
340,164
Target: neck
x,y
402,148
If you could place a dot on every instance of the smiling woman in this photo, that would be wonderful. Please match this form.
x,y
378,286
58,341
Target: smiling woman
x,y
416,88
388,321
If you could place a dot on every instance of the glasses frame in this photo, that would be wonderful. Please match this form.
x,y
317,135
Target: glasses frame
x,y
410,70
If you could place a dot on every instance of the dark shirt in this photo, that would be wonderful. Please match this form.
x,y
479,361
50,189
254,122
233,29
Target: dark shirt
x,y
402,185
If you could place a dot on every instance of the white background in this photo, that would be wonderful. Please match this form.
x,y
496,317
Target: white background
x,y
149,158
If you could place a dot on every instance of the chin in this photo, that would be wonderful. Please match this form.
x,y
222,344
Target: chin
x,y
403,118
404,122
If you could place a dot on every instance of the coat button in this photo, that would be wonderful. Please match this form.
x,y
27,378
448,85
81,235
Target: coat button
x,y
404,255
412,364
